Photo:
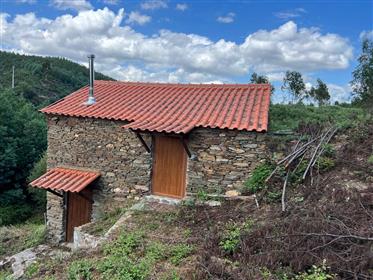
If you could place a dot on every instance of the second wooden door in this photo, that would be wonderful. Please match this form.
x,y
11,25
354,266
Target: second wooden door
x,y
169,167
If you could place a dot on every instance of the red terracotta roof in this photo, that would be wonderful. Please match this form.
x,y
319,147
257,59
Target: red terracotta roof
x,y
174,108
65,179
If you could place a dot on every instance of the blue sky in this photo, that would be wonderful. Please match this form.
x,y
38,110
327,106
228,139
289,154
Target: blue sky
x,y
196,41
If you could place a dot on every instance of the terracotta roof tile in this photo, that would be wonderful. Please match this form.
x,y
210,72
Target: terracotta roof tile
x,y
174,108
65,179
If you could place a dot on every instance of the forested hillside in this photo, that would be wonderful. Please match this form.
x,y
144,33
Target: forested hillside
x,y
23,140
42,80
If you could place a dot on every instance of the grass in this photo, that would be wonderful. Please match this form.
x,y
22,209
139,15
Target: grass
x,y
109,218
14,239
149,247
288,117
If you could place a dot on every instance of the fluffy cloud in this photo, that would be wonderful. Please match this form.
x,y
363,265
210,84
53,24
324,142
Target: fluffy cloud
x,y
302,49
289,14
340,93
137,18
154,4
111,2
181,7
229,18
169,56
26,1
366,35
78,5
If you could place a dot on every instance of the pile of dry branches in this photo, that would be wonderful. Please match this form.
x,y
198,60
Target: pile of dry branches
x,y
308,152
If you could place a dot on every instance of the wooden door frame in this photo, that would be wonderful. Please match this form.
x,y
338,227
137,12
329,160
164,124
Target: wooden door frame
x,y
153,151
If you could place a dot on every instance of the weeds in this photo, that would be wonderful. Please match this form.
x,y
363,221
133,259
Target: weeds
x,y
180,252
232,236
202,195
14,239
32,269
81,269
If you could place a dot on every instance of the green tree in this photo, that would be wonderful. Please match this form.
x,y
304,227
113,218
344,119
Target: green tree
x,y
22,141
294,84
362,83
260,79
320,93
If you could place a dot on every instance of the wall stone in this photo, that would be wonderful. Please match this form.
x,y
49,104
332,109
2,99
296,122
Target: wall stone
x,y
224,159
101,145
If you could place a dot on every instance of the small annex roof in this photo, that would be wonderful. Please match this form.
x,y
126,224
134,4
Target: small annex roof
x,y
176,108
65,179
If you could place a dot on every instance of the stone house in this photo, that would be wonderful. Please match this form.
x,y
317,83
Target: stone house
x,y
148,138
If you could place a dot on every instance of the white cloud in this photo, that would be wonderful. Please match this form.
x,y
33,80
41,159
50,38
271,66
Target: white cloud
x,y
154,4
111,2
137,18
181,6
289,14
26,1
170,56
366,35
229,18
275,76
79,5
340,93
303,49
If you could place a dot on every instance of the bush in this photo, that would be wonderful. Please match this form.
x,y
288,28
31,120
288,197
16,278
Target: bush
x,y
257,182
15,213
81,269
180,252
288,117
232,236
370,159
315,273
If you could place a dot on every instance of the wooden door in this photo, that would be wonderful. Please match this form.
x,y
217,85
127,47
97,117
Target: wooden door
x,y
79,210
169,167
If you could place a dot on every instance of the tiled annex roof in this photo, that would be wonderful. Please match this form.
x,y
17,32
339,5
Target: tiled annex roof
x,y
174,108
65,179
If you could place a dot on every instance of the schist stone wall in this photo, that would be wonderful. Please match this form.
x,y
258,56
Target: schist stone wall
x,y
101,145
223,160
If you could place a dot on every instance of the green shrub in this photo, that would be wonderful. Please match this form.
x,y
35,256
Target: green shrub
x,y
15,213
232,235
315,273
39,168
6,275
325,163
39,196
180,252
257,180
121,260
288,117
81,269
202,195
370,159
32,269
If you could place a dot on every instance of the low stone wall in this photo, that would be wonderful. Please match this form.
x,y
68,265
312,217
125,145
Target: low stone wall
x,y
224,159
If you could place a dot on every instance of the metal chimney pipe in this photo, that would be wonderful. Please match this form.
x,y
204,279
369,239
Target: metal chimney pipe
x,y
91,99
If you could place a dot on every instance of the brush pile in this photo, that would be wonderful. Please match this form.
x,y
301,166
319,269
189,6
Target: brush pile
x,y
304,158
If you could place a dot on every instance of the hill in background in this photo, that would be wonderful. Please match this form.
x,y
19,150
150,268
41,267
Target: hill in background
x,y
43,80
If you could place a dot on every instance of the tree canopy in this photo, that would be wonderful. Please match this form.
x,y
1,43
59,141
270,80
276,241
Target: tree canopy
x,y
320,93
42,80
362,83
22,138
260,79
